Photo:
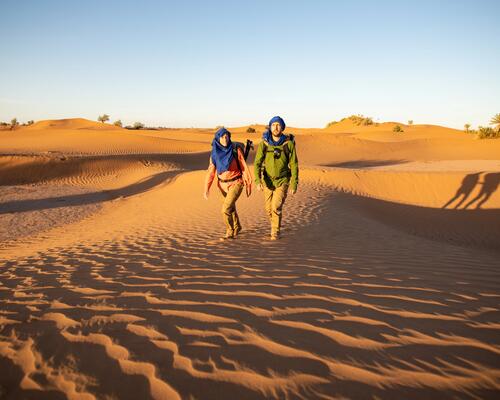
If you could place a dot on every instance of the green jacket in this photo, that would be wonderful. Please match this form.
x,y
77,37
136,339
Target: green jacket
x,y
275,172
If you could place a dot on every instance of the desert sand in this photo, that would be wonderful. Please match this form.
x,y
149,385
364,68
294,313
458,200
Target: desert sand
x,y
114,283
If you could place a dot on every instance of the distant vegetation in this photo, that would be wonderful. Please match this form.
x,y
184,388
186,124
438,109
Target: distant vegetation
x,y
355,119
410,122
103,118
495,121
13,123
398,129
118,123
466,128
250,130
138,125
487,132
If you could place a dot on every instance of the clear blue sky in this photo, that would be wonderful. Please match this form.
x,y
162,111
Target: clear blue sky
x,y
208,63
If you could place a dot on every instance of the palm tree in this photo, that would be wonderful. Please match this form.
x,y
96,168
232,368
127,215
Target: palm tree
x,y
467,126
103,118
496,122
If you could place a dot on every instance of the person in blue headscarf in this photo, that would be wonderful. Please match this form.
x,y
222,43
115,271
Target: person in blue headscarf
x,y
276,169
227,162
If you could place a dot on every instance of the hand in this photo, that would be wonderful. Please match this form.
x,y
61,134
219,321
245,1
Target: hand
x,y
205,195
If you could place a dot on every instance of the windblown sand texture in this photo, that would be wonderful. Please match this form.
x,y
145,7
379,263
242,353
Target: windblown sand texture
x,y
114,285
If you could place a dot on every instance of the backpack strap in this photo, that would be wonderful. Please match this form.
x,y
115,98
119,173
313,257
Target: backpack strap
x,y
235,155
286,148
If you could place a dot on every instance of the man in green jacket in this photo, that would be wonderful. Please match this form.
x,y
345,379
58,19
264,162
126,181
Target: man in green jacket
x,y
276,170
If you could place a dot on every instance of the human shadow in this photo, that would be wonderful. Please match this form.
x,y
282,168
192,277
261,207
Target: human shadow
x,y
466,187
489,186
88,198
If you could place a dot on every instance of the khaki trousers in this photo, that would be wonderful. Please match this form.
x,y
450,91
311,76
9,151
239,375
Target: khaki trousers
x,y
229,213
274,201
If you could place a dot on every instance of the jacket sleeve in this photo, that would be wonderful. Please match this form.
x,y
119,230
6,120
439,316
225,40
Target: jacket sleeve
x,y
210,175
259,159
246,172
294,166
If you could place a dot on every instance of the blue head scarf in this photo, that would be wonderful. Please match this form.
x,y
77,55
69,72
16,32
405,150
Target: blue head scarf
x,y
268,136
222,156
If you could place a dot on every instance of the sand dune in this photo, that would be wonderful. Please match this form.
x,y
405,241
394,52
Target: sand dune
x,y
385,284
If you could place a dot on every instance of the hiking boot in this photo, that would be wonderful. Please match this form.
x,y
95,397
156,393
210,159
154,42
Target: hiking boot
x,y
228,235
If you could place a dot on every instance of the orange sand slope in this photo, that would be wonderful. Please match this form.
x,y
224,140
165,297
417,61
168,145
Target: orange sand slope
x,y
113,283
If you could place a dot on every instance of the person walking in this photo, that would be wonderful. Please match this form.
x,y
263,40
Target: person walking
x,y
276,170
227,162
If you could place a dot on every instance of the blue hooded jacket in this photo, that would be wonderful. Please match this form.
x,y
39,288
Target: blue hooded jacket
x,y
268,136
222,156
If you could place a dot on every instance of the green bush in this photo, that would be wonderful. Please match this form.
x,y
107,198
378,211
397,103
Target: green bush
x,y
103,118
138,125
356,120
118,123
398,129
485,132
359,119
367,121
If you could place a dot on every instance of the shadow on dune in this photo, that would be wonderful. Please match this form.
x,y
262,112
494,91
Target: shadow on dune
x,y
365,163
477,227
88,198
43,168
489,185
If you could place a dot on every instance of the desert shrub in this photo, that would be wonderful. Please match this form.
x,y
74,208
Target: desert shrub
x,y
367,121
486,132
358,120
330,124
466,128
118,123
398,128
138,125
13,123
4,124
250,130
30,122
410,122
103,118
